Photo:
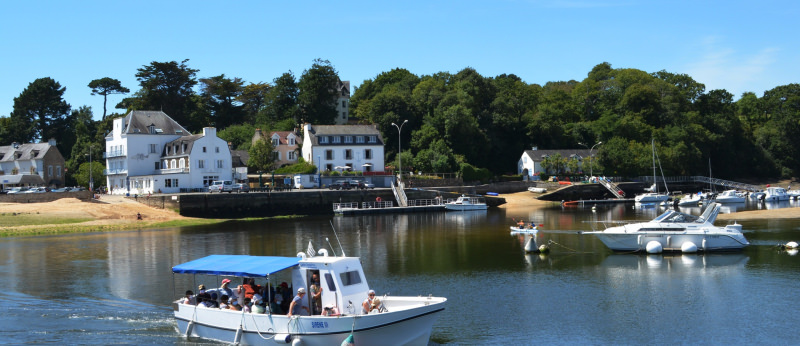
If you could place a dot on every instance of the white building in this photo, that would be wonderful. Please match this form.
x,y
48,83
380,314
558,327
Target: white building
x,y
148,152
530,164
31,164
334,147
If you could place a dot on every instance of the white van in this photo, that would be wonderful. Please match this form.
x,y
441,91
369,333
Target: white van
x,y
305,181
221,186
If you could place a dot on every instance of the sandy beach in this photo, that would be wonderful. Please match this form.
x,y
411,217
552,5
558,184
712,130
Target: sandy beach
x,y
119,213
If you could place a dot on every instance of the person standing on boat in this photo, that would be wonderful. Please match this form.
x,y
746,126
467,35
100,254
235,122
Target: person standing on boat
x,y
225,290
296,307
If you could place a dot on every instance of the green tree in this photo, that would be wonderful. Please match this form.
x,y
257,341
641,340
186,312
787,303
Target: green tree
x,y
280,102
240,136
167,86
40,112
253,100
81,177
261,156
220,95
318,94
106,86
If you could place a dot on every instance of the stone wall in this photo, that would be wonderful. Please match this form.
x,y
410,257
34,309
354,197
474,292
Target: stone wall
x,y
44,197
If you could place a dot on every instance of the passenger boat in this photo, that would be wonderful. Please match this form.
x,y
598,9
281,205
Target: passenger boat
x,y
466,203
675,231
403,320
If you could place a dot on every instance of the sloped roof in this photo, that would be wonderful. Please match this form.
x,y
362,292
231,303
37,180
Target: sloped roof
x,y
140,121
538,155
283,137
188,140
344,130
239,158
27,151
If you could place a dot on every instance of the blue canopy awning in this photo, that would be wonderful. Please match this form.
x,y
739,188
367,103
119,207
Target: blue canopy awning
x,y
237,265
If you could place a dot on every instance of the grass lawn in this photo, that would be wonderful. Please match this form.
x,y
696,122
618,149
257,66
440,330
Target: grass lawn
x,y
20,219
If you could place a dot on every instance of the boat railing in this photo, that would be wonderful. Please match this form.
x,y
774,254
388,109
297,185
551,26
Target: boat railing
x,y
346,205
424,202
381,204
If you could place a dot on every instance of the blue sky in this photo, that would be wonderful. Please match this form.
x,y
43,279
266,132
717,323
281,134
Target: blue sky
x,y
734,45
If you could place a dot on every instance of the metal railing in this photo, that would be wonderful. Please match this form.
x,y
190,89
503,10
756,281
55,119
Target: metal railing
x,y
701,179
612,187
113,153
115,171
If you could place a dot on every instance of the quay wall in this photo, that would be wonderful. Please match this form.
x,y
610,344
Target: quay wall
x,y
297,202
44,197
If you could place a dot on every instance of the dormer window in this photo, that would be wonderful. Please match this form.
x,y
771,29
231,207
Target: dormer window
x,y
152,129
348,139
373,139
360,139
290,140
337,139
323,140
274,142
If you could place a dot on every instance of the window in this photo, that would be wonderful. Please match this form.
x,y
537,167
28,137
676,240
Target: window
x,y
274,142
348,154
360,139
291,156
220,163
216,150
323,140
348,139
368,168
350,278
175,149
49,171
181,163
153,148
184,147
152,129
329,154
329,167
33,169
204,149
368,154
337,139
158,164
344,104
373,139
174,182
291,141
15,170
201,163
167,182
276,155
173,164
58,171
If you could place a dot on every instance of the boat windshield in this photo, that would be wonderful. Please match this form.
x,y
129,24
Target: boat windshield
x,y
674,216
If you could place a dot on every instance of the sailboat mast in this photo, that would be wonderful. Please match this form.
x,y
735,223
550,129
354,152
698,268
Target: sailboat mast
x,y
655,183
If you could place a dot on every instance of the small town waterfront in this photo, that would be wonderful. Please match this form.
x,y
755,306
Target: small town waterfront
x,y
107,288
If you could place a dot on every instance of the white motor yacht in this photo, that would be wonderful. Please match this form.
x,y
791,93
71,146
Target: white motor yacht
x,y
675,231
775,194
730,196
466,203
688,200
399,321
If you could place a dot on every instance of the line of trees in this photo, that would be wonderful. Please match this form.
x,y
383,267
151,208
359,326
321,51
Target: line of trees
x,y
461,122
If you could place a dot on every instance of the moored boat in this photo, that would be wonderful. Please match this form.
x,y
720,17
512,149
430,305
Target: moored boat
x,y
466,203
400,321
730,196
775,194
675,231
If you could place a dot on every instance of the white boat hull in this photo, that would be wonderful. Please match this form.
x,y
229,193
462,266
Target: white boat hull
x,y
463,207
635,242
651,198
403,324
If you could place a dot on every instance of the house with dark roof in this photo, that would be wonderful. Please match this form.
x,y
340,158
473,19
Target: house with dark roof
x,y
530,164
343,147
342,102
149,152
31,164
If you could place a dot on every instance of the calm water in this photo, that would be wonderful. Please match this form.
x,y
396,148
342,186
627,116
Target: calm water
x,y
116,287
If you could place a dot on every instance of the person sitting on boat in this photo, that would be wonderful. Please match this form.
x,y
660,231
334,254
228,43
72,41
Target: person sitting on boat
x,y
296,307
330,310
275,304
366,306
258,305
246,305
377,305
233,304
531,226
189,298
521,223
249,288
224,289
223,302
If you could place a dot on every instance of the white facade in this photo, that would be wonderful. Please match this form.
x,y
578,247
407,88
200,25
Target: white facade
x,y
333,147
530,163
148,152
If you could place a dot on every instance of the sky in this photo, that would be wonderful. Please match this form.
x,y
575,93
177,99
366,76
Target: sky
x,y
738,46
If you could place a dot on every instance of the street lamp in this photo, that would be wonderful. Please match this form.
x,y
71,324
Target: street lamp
x,y
399,150
591,161
91,180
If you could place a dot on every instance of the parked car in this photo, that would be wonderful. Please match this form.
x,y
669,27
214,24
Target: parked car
x,y
241,187
221,186
368,185
340,185
37,189
17,190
